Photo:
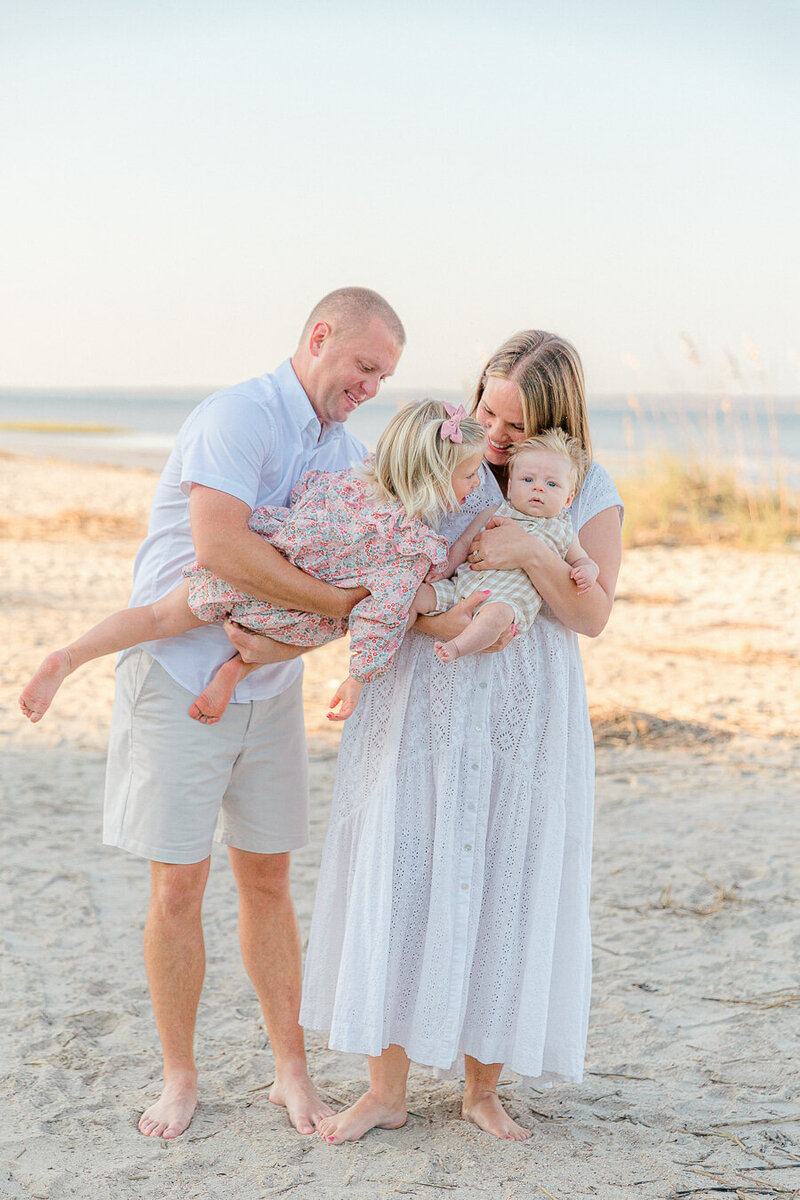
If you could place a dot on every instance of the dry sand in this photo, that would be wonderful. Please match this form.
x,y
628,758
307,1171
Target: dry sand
x,y
692,1070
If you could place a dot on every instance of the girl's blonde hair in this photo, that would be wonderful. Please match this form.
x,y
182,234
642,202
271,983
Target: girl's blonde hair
x,y
548,373
557,442
413,463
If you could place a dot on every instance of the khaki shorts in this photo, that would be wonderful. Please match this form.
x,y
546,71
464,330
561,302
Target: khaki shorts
x,y
173,785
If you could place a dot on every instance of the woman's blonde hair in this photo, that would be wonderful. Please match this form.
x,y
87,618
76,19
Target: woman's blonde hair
x,y
557,442
548,374
413,463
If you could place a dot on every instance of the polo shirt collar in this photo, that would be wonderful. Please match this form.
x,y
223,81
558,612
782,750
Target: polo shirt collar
x,y
298,406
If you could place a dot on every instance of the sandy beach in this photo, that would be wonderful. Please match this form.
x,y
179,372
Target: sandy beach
x,y
693,1066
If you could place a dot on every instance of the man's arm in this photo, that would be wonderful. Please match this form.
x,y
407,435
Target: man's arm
x,y
226,546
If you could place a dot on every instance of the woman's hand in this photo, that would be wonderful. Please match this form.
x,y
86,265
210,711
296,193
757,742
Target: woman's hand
x,y
447,625
257,648
501,545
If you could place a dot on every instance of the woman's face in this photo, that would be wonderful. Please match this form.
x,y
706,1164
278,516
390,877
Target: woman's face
x,y
500,413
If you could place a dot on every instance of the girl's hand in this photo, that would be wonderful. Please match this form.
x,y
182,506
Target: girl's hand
x,y
501,545
347,695
456,556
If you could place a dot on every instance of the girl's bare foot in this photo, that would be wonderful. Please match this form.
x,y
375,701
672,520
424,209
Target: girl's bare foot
x,y
446,651
172,1112
37,695
486,1111
370,1112
214,699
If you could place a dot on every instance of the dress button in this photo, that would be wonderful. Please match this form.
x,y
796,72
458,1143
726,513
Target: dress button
x,y
479,728
483,685
468,845
470,807
474,766
465,887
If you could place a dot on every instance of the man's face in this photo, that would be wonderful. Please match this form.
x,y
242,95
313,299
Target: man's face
x,y
348,366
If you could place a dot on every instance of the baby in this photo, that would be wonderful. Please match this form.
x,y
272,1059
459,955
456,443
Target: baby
x,y
545,473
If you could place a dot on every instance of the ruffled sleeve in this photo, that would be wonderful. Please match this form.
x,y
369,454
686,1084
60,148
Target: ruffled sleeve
x,y
597,494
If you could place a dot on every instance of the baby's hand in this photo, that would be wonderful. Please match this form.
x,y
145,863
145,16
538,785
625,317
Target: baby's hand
x,y
585,576
347,695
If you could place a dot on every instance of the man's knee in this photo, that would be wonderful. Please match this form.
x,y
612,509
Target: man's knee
x,y
176,889
261,877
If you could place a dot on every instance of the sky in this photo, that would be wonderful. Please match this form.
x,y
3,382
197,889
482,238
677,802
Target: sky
x,y
184,180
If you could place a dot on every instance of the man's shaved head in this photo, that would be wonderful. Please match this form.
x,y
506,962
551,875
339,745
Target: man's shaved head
x,y
351,308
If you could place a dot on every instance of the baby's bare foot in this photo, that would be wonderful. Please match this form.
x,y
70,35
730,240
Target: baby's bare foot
x,y
488,1114
446,651
214,699
171,1114
369,1112
37,695
296,1093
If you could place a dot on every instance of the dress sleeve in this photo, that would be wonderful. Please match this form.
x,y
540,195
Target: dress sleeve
x,y
597,494
378,622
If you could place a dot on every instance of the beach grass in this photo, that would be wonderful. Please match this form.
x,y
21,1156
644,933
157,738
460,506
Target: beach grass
x,y
60,427
684,503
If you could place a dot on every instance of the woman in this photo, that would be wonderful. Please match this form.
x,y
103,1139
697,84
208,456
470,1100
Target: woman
x,y
452,915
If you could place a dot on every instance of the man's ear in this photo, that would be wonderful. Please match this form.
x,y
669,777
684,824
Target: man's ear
x,y
319,333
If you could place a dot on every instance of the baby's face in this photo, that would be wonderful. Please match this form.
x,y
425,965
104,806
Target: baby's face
x,y
540,483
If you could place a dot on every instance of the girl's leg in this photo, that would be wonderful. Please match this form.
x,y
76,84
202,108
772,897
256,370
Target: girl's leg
x,y
382,1107
489,622
209,706
482,1105
117,632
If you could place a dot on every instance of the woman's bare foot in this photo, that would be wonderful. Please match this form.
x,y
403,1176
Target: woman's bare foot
x,y
370,1112
446,651
214,699
486,1111
172,1112
37,695
297,1094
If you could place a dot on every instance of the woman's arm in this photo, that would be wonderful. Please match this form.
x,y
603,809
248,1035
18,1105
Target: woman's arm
x,y
508,545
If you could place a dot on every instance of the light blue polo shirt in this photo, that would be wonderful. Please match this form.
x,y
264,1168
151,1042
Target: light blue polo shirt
x,y
253,441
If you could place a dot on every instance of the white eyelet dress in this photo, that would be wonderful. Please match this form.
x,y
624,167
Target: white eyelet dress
x,y
452,912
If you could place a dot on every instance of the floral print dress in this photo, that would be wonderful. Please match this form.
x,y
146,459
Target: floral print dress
x,y
335,531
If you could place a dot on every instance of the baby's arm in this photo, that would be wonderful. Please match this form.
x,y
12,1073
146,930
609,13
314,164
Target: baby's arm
x,y
584,569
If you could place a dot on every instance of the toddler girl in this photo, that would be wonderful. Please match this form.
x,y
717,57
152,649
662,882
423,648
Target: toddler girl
x,y
545,473
367,526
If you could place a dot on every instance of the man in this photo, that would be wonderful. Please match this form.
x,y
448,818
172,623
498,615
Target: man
x,y
172,780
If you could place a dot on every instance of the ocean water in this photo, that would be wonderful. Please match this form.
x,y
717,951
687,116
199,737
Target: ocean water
x,y
755,436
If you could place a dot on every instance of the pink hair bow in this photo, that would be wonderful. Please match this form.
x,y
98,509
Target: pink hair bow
x,y
451,428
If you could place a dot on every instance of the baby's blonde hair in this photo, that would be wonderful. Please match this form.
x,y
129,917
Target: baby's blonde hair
x,y
558,442
414,464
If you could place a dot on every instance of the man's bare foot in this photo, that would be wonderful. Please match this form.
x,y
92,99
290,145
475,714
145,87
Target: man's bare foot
x,y
37,695
172,1112
488,1114
446,651
214,699
296,1093
370,1112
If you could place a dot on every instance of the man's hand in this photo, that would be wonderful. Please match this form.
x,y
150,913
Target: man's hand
x,y
257,648
347,694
